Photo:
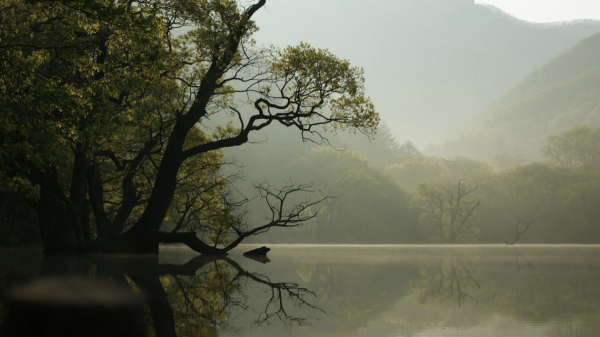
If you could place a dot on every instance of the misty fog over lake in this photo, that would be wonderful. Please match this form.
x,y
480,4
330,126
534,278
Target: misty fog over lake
x,y
300,168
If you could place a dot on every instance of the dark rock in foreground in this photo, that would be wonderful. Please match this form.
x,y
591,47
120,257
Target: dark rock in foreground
x,y
74,307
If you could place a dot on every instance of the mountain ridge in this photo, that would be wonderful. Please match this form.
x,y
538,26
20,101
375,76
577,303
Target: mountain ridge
x,y
560,94
430,65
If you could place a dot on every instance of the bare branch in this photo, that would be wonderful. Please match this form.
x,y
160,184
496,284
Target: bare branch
x,y
519,232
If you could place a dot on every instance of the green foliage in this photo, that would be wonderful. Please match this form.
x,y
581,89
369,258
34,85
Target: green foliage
x,y
66,65
365,205
458,168
408,151
318,89
558,194
449,211
104,104
561,201
110,85
574,148
381,150
505,161
387,138
409,174
197,302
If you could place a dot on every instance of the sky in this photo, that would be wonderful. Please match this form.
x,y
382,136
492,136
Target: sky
x,y
423,63
548,10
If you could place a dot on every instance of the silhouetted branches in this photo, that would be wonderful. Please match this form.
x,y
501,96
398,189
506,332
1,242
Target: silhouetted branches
x,y
519,231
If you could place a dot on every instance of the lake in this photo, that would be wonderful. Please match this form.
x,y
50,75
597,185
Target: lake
x,y
328,290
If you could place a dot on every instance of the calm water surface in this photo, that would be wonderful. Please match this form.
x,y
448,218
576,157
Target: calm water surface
x,y
349,290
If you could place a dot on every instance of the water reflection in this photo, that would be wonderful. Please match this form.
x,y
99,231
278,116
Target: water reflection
x,y
190,299
353,291
521,261
450,280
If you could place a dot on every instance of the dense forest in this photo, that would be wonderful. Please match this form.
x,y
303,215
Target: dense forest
x,y
393,193
104,120
410,197
114,137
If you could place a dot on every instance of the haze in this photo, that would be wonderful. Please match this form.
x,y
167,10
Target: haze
x,y
431,66
300,168
548,10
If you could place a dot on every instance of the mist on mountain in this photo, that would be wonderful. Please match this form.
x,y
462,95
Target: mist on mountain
x,y
431,65
557,96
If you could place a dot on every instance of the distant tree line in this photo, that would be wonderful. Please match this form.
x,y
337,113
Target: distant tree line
x,y
414,198
427,199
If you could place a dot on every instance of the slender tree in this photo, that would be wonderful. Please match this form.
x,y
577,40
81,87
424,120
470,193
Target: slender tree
x,y
449,210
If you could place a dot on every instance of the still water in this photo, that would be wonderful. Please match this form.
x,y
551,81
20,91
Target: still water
x,y
318,290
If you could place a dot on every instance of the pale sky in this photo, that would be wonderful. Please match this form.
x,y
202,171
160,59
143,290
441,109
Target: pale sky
x,y
410,74
548,10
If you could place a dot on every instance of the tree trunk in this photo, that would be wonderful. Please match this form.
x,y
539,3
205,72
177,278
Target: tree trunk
x,y
77,194
192,241
96,195
60,216
129,202
13,220
158,303
51,209
166,178
162,194
85,221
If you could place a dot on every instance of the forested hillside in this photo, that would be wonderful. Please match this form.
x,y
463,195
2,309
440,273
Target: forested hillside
x,y
386,191
555,97
392,193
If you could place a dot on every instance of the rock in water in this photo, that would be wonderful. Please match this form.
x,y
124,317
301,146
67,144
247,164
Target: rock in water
x,y
262,251
74,307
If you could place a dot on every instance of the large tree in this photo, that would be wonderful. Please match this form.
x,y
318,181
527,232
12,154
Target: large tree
x,y
122,108
71,73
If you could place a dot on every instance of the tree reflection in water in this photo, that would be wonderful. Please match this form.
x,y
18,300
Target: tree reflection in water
x,y
408,291
522,262
195,298
218,287
449,280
